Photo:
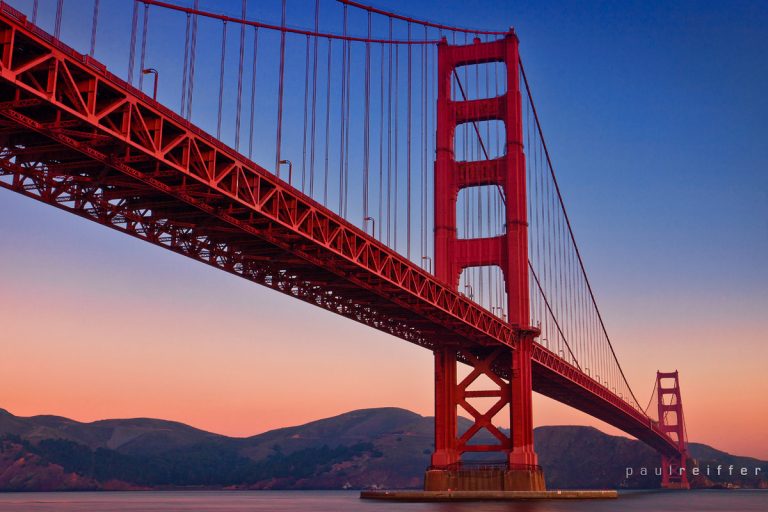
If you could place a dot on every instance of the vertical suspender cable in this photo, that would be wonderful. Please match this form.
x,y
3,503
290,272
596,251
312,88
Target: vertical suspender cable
x,y
306,113
185,70
397,159
551,252
142,58
279,136
573,304
580,324
408,156
343,117
221,76
490,228
566,319
314,103
192,52
253,89
423,153
464,152
423,184
93,27
540,208
347,105
380,217
558,268
57,22
560,262
327,124
366,125
531,162
498,223
34,11
478,190
432,99
240,77
550,278
132,48
389,138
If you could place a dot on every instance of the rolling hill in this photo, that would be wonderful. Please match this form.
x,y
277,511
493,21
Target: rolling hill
x,y
380,448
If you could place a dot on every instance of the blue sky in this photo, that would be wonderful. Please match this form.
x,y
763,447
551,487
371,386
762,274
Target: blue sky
x,y
655,115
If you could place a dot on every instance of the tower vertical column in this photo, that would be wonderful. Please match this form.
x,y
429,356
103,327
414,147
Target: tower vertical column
x,y
516,272
521,406
445,453
516,267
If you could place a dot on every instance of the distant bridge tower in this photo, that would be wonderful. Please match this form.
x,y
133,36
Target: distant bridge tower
x,y
510,252
671,421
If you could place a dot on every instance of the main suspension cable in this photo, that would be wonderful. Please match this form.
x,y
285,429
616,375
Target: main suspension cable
x,y
392,15
281,28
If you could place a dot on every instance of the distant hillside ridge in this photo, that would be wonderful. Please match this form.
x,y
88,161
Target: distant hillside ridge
x,y
368,448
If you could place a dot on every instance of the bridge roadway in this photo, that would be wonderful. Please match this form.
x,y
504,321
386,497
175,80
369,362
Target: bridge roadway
x,y
79,138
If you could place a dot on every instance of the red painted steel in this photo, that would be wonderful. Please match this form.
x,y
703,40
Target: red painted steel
x,y
75,136
672,422
509,251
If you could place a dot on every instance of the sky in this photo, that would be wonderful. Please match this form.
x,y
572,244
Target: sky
x,y
656,118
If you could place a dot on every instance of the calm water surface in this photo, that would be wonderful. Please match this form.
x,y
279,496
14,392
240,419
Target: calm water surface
x,y
331,501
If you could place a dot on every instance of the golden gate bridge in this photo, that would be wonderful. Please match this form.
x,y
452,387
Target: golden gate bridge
x,y
388,169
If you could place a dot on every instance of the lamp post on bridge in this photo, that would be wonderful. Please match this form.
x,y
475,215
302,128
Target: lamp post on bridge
x,y
290,170
152,71
373,225
429,260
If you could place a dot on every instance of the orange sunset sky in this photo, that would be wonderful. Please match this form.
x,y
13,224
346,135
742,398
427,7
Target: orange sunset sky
x,y
136,331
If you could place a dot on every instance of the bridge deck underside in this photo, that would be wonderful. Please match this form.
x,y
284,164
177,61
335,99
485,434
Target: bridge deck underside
x,y
57,174
79,139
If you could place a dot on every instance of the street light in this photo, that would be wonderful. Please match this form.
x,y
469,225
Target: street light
x,y
290,169
428,259
152,71
373,223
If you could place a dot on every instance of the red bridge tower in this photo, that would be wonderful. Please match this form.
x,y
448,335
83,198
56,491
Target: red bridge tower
x,y
510,252
674,473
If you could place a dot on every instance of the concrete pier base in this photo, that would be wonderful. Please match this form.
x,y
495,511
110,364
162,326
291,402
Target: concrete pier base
x,y
486,479
676,485
416,496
